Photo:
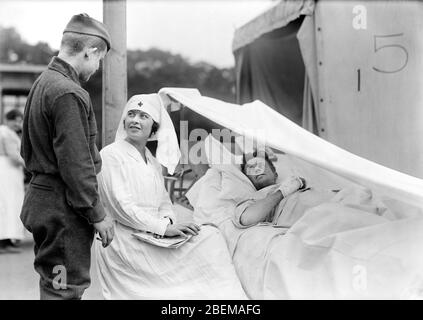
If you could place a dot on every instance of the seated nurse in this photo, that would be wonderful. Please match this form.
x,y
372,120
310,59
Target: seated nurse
x,y
132,191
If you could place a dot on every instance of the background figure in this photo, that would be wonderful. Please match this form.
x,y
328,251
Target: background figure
x,y
12,182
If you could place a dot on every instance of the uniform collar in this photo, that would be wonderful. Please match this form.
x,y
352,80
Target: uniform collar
x,y
134,153
64,68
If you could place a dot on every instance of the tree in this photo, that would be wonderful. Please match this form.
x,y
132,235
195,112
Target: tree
x,y
15,50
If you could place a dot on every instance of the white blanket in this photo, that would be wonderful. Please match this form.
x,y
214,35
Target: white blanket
x,y
351,247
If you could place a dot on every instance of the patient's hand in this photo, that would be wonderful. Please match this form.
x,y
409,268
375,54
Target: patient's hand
x,y
291,184
182,229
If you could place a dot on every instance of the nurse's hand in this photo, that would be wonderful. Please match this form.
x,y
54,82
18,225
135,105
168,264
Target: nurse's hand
x,y
182,229
106,230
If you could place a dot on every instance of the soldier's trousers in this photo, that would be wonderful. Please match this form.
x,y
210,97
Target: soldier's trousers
x,y
62,239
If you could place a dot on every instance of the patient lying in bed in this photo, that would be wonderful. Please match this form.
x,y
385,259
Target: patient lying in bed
x,y
264,205
284,203
293,240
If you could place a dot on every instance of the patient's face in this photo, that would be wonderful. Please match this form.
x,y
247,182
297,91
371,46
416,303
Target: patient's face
x,y
260,173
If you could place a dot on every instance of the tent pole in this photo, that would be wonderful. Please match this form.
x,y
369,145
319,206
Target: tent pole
x,y
115,88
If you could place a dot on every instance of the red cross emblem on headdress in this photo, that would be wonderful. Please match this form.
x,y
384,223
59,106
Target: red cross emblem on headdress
x,y
140,103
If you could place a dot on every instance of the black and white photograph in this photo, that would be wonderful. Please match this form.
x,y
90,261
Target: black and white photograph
x,y
224,151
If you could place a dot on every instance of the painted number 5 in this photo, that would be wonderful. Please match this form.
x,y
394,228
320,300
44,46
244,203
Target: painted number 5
x,y
379,40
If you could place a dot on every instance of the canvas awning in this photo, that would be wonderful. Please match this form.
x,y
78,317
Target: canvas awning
x,y
269,66
279,15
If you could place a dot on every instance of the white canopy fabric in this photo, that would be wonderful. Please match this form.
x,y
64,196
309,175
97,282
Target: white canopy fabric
x,y
258,121
279,15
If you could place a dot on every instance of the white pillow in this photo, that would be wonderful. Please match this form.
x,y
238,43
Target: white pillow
x,y
218,155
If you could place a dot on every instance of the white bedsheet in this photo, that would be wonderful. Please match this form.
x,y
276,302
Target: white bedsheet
x,y
352,247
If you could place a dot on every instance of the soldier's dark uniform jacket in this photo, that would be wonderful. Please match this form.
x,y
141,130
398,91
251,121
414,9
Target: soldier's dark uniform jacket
x,y
59,136
62,202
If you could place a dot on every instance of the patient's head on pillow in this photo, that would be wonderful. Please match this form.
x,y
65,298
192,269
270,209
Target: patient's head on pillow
x,y
260,170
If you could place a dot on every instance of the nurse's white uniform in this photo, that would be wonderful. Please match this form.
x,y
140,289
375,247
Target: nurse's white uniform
x,y
133,193
11,186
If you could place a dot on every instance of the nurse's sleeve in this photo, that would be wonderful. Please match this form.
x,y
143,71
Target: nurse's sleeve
x,y
113,181
166,210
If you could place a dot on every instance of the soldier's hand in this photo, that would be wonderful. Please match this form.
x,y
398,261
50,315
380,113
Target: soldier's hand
x,y
105,229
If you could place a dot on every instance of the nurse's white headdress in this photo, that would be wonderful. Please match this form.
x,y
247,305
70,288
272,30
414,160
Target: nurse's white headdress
x,y
167,152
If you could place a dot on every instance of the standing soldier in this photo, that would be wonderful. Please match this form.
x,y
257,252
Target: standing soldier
x,y
62,207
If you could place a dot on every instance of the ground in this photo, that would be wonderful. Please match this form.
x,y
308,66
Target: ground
x,y
19,281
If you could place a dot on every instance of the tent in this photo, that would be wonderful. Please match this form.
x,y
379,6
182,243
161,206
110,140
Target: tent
x,y
351,72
